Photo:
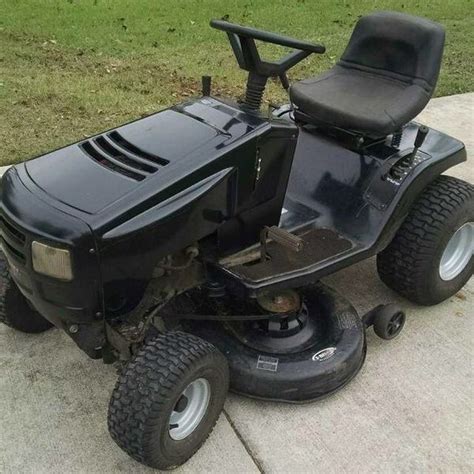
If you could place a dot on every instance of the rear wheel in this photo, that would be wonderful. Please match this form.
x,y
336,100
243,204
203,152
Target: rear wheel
x,y
431,256
15,311
168,399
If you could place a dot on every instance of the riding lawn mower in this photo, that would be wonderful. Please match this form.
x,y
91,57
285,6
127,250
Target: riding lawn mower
x,y
188,247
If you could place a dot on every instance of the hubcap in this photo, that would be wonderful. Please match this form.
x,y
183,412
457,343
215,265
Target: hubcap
x,y
457,253
395,324
190,409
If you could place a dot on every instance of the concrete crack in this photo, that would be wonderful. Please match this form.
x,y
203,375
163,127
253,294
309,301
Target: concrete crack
x,y
244,443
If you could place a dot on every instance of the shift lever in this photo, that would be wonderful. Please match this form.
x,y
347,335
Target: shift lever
x,y
404,164
420,138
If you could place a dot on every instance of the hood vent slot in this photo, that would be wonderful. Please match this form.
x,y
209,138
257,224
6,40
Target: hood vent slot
x,y
120,141
121,156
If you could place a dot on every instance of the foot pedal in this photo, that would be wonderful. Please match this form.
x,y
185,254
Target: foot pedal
x,y
280,236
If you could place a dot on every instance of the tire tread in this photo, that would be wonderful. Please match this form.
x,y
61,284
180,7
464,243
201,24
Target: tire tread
x,y
144,386
401,265
14,309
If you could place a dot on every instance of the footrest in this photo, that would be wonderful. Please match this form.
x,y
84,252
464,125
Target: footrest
x,y
317,245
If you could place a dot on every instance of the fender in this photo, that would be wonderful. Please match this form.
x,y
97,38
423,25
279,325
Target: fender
x,y
183,203
412,191
334,187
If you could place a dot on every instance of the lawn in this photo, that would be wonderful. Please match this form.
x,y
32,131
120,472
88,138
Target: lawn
x,y
71,68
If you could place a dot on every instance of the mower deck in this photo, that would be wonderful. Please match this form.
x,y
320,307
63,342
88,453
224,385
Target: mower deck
x,y
277,360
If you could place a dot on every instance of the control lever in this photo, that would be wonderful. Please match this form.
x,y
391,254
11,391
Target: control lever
x,y
282,237
405,163
206,86
420,138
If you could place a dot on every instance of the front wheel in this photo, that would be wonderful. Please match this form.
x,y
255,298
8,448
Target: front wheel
x,y
15,311
431,257
168,399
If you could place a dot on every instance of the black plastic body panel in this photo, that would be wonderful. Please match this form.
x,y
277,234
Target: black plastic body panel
x,y
25,217
124,199
341,189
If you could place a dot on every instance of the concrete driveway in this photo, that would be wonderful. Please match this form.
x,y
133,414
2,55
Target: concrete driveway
x,y
409,409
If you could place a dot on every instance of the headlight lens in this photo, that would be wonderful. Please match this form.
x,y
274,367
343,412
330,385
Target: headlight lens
x,y
51,261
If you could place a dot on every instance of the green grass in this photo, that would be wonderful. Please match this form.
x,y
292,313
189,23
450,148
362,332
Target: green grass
x,y
70,68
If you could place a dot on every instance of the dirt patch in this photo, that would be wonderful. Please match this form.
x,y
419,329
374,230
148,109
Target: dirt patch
x,y
460,296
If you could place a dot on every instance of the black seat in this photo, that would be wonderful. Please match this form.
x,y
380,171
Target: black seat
x,y
385,77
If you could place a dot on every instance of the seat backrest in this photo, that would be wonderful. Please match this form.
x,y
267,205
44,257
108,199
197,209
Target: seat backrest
x,y
393,44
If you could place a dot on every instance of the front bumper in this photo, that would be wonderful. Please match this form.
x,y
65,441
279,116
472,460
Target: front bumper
x,y
25,217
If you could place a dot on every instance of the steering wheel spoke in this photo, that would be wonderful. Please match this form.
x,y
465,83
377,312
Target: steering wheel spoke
x,y
242,40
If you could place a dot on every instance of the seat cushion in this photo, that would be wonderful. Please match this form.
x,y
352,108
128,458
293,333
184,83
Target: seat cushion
x,y
360,101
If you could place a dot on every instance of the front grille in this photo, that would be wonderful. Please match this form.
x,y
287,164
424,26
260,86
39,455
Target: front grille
x,y
119,155
12,239
12,251
12,231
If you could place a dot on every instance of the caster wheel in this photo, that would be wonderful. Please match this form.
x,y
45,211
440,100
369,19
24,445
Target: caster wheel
x,y
15,311
389,322
168,399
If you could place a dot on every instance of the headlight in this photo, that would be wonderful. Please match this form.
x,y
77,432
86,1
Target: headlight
x,y
51,261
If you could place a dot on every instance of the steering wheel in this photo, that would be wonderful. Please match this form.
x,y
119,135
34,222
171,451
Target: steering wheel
x,y
242,40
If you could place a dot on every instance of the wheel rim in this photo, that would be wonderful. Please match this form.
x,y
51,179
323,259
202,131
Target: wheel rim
x,y
190,409
395,324
458,252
